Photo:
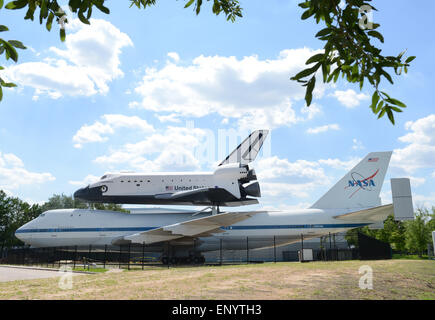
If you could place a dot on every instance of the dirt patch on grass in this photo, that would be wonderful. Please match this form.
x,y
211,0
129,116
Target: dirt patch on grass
x,y
392,279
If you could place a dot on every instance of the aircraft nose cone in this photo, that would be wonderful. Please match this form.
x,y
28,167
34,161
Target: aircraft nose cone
x,y
81,193
89,194
18,233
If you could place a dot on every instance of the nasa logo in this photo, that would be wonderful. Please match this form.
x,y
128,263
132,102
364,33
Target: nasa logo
x,y
358,180
362,183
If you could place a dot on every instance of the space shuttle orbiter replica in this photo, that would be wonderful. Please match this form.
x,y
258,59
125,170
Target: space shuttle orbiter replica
x,y
233,183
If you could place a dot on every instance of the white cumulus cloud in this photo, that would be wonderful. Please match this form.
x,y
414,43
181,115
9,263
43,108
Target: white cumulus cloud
x,y
98,131
324,128
13,174
256,92
171,150
419,151
349,98
89,62
87,180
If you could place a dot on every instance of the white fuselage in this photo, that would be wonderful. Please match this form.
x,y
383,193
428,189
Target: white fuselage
x,y
78,227
149,184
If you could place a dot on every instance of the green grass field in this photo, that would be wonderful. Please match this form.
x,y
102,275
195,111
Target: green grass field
x,y
392,279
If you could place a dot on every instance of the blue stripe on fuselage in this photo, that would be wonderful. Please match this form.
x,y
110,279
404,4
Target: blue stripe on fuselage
x,y
258,227
84,229
297,226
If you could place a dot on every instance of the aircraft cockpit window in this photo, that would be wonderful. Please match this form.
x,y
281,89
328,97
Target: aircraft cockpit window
x,y
103,177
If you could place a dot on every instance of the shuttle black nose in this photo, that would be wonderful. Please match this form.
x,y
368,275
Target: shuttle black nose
x,y
82,193
89,194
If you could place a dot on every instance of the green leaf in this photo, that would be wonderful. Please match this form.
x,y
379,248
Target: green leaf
x,y
10,50
379,107
1,93
386,75
189,4
49,21
309,92
307,14
3,28
17,44
303,5
390,115
315,58
83,18
396,109
102,8
44,11
382,113
323,32
386,94
396,102
376,34
410,59
306,72
375,99
62,35
7,84
14,5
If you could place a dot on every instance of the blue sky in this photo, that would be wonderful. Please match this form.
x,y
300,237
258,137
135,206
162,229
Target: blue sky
x,y
147,90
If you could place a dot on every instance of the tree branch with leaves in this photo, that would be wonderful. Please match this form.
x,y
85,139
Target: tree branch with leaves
x,y
349,52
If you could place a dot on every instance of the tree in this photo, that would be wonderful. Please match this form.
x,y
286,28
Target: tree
x,y
67,202
418,231
348,50
393,232
13,214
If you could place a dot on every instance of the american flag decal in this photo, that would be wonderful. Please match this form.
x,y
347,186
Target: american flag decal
x,y
373,159
169,188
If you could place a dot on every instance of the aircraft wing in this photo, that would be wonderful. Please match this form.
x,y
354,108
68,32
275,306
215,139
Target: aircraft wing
x,y
191,228
375,214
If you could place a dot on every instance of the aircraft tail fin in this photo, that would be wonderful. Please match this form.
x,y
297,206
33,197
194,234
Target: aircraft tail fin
x,y
360,187
247,151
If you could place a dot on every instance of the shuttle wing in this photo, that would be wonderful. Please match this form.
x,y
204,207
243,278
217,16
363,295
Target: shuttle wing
x,y
191,228
371,215
247,151
216,196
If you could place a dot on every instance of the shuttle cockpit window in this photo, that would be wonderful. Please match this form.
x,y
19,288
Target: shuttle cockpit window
x,y
103,177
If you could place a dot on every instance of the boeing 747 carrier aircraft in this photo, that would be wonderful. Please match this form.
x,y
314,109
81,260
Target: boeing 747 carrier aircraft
x,y
352,202
231,184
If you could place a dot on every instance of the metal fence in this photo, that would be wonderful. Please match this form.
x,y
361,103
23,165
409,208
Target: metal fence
x,y
138,257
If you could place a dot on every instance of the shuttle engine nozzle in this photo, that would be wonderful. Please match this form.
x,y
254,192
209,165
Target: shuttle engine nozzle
x,y
252,189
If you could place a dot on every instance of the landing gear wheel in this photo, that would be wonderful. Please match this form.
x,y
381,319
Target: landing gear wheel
x,y
188,260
